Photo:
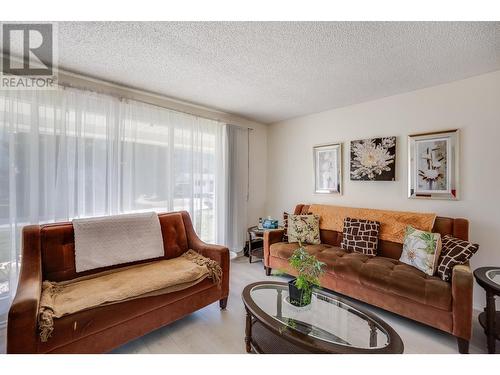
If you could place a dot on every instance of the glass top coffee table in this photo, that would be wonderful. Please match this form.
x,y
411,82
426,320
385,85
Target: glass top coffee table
x,y
328,325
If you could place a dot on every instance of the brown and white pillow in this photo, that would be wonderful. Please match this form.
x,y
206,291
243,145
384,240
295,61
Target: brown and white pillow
x,y
285,226
360,236
454,252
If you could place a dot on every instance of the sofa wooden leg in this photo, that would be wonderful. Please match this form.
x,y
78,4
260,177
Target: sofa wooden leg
x,y
463,345
223,303
268,271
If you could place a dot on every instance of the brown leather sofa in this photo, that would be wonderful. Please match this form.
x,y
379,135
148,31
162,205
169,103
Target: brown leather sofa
x,y
385,282
48,254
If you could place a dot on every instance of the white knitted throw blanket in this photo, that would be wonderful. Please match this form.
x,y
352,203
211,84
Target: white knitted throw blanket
x,y
107,241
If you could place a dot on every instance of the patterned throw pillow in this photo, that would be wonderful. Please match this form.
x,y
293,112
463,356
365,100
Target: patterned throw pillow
x,y
421,249
454,252
360,236
305,228
285,225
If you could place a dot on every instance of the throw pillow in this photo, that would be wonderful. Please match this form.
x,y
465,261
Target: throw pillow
x,y
454,252
421,250
360,236
285,225
304,228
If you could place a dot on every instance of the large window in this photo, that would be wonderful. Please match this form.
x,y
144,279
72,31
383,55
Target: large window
x,y
69,153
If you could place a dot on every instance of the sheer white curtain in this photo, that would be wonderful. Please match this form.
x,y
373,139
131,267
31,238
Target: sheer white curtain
x,y
237,187
71,153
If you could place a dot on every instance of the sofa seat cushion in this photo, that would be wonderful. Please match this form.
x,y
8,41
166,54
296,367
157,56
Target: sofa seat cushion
x,y
284,250
382,274
391,276
76,326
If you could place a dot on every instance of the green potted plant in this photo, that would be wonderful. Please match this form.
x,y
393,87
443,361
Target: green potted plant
x,y
309,270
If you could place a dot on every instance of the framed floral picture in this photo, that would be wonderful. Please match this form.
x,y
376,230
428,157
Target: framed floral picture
x,y
433,165
327,168
373,159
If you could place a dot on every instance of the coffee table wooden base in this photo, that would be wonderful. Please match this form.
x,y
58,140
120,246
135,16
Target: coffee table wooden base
x,y
263,341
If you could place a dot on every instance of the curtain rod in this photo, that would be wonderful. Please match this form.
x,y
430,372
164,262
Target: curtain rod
x,y
122,92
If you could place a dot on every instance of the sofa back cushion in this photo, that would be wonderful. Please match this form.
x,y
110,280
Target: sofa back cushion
x,y
58,247
458,228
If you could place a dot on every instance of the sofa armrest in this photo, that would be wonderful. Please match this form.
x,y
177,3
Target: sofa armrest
x,y
270,237
216,252
462,283
22,331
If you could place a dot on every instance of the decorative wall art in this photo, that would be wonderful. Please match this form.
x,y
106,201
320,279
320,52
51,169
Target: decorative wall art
x,y
433,165
373,159
327,168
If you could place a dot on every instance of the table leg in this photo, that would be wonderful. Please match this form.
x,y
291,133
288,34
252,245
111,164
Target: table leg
x,y
490,321
248,333
249,247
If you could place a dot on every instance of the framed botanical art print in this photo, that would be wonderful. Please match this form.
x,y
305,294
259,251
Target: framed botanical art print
x,y
433,165
373,159
327,168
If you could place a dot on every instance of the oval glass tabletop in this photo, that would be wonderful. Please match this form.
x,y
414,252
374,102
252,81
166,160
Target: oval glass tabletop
x,y
327,318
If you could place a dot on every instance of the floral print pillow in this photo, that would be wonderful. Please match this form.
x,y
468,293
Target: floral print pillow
x,y
421,250
303,228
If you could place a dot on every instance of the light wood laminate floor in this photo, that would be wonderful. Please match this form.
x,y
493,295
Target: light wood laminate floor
x,y
211,330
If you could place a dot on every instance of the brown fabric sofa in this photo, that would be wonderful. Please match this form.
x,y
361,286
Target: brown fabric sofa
x,y
48,254
385,282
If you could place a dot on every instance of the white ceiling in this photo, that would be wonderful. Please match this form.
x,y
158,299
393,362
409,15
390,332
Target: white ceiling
x,y
271,71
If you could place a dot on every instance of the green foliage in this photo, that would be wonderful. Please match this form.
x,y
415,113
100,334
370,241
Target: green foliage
x,y
430,241
309,270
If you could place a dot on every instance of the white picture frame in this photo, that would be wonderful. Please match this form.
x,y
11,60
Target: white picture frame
x,y
327,160
433,165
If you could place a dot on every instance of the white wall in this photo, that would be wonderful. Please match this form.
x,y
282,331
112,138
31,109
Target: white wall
x,y
473,105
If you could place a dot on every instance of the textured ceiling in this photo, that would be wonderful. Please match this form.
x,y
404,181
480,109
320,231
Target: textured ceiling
x,y
270,71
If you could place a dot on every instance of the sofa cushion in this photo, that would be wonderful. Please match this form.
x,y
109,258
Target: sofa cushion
x,y
382,274
360,236
391,276
421,249
285,226
303,228
454,252
284,250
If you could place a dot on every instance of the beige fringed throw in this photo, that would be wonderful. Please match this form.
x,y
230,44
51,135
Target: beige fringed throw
x,y
160,277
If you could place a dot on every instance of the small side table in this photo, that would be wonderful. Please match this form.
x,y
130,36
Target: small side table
x,y
489,279
256,235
